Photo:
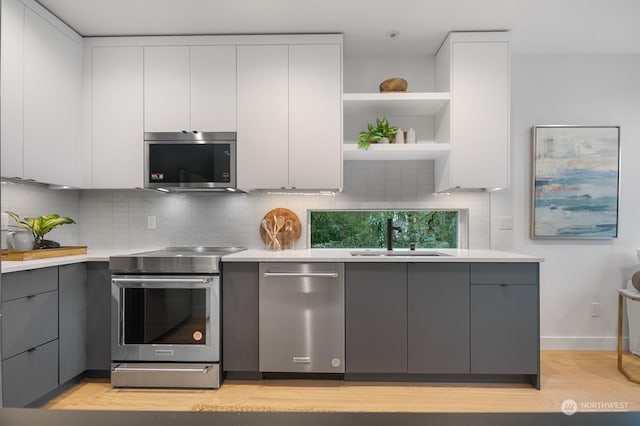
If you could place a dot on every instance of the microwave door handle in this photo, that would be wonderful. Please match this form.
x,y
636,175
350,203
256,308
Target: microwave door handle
x,y
161,280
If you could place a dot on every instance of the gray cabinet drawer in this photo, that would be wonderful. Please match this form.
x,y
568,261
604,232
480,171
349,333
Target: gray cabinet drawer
x,y
29,322
504,273
30,375
26,283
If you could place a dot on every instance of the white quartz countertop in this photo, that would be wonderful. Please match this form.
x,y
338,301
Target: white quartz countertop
x,y
344,255
93,255
260,255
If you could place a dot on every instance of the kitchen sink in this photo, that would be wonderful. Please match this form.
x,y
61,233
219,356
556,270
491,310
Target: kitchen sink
x,y
402,252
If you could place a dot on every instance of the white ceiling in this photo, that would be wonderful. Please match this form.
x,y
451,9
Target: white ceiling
x,y
536,26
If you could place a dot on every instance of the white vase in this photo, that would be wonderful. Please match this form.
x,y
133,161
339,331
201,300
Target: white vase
x,y
21,240
383,140
399,136
411,136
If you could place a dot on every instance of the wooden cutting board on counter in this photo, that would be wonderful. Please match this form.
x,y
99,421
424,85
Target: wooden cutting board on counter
x,y
44,253
287,215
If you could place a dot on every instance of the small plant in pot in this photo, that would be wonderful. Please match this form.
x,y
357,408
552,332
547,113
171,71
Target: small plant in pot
x,y
39,226
374,134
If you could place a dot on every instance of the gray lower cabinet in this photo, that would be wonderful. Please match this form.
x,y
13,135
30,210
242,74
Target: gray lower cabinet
x,y
504,318
376,317
29,335
72,282
438,318
98,318
240,317
30,375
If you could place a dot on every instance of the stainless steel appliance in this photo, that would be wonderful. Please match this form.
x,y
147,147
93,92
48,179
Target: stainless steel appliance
x,y
165,317
190,161
301,319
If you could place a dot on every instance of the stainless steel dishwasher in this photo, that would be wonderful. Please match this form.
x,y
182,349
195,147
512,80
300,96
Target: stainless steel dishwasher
x,y
301,317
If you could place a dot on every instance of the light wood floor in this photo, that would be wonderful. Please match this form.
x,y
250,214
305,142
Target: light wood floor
x,y
588,377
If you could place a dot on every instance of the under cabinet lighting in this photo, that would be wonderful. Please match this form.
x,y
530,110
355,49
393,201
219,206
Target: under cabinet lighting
x,y
323,193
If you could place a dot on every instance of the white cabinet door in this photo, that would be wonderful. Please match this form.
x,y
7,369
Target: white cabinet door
x,y
263,117
52,99
166,89
11,86
117,117
315,130
480,115
213,88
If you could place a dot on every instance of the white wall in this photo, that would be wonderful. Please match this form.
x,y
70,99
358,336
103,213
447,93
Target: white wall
x,y
579,90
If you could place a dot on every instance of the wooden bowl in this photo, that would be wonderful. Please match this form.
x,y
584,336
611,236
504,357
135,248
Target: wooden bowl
x,y
394,85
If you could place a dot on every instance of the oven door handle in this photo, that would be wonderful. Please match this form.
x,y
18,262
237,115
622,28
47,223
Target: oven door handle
x,y
162,280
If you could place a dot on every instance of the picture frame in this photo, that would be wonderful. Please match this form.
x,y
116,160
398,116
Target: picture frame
x,y
575,189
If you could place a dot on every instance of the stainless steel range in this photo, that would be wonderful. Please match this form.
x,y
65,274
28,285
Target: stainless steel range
x,y
165,317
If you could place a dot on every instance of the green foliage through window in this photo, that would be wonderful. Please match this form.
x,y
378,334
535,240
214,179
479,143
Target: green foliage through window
x,y
367,228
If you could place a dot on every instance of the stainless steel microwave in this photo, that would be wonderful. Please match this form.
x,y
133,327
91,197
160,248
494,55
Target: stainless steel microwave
x,y
190,161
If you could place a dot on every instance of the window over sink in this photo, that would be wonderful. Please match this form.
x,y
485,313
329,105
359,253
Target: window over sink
x,y
367,228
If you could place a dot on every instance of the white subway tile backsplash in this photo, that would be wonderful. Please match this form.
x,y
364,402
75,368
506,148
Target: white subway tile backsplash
x,y
118,218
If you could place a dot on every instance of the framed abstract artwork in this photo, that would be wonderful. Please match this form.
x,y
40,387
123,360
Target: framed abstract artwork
x,y
575,183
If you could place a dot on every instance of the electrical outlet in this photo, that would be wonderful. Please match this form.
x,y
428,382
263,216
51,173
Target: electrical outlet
x,y
151,222
595,309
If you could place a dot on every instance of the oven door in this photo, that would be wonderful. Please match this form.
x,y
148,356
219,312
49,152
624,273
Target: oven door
x,y
165,318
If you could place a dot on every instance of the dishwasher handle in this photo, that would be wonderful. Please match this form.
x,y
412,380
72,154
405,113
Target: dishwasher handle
x,y
301,274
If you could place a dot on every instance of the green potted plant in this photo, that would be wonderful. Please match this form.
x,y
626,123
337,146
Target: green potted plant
x,y
374,134
39,226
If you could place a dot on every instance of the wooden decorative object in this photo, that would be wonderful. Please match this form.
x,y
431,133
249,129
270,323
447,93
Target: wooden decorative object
x,y
394,85
43,253
287,215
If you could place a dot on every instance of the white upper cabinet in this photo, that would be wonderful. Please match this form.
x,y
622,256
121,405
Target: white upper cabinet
x,y
213,88
290,116
315,116
11,96
189,88
117,129
52,97
166,89
263,117
476,65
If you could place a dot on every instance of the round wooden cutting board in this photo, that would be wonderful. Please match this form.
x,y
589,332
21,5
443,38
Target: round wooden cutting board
x,y
287,215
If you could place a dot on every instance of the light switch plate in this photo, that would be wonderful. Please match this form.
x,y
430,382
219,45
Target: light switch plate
x,y
151,222
505,222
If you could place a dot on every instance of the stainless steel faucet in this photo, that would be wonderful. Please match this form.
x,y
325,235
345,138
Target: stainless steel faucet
x,y
390,229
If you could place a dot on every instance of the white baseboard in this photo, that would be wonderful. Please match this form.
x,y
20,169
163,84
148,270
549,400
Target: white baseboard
x,y
604,343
